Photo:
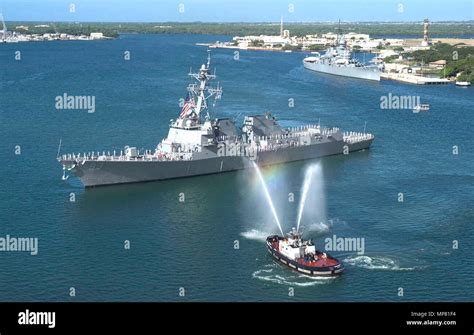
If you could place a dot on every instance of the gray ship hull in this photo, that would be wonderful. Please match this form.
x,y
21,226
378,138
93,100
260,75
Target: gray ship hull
x,y
111,172
370,73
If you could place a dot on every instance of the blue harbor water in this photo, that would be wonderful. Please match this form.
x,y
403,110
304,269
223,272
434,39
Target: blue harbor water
x,y
190,244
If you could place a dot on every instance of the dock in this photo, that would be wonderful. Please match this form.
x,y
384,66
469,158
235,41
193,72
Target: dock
x,y
414,79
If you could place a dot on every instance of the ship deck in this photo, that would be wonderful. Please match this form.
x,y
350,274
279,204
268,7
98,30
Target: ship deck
x,y
318,263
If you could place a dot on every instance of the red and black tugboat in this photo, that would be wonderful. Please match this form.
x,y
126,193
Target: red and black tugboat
x,y
302,256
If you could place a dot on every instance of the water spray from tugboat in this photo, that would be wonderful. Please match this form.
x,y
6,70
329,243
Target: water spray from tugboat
x,y
313,180
312,191
267,195
307,183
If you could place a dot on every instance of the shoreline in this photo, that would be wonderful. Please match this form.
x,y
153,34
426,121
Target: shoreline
x,y
407,42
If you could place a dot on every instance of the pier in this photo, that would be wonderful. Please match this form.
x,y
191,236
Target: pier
x,y
413,79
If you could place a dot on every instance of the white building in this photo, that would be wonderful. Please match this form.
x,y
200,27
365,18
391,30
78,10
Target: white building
x,y
356,36
387,53
330,36
394,42
97,36
313,39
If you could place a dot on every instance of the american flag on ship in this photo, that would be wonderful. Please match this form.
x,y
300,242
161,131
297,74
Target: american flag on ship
x,y
189,105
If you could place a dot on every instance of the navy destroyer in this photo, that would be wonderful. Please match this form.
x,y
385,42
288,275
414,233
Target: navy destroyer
x,y
338,61
198,145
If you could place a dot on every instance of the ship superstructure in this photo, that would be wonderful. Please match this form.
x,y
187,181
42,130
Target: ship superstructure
x,y
302,256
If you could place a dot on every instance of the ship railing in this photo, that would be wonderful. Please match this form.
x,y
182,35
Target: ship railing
x,y
272,146
175,156
230,138
148,155
356,137
298,132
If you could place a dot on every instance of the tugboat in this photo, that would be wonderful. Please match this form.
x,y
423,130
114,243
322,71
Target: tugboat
x,y
302,256
421,108
463,83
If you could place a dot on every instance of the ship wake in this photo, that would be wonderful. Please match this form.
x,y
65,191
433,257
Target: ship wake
x,y
378,263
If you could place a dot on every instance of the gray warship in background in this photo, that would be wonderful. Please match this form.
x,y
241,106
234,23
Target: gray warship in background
x,y
338,61
198,145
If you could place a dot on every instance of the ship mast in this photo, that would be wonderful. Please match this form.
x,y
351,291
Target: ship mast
x,y
339,35
4,28
200,90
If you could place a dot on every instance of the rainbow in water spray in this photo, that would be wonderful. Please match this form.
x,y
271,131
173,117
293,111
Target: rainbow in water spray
x,y
267,195
307,183
312,182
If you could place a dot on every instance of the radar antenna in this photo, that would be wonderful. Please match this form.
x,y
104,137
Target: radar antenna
x,y
201,91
